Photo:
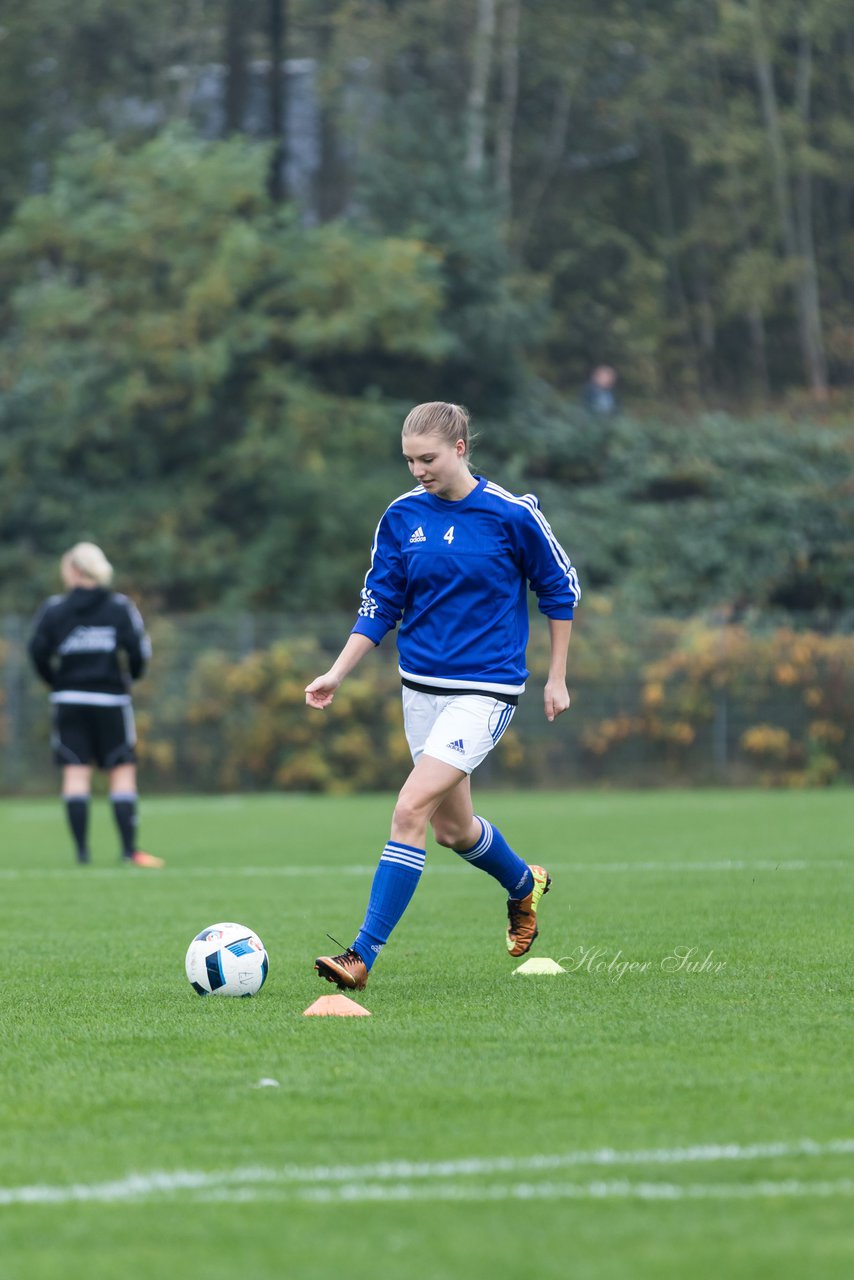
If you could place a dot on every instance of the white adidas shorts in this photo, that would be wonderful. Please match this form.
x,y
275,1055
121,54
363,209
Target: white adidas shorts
x,y
460,729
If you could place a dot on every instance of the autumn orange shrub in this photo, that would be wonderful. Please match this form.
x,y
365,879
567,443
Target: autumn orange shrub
x,y
243,725
780,703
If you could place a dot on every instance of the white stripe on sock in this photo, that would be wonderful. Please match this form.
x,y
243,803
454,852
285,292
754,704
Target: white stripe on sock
x,y
401,856
402,862
483,843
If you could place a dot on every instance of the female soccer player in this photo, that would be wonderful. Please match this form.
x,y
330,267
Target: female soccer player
x,y
75,646
451,561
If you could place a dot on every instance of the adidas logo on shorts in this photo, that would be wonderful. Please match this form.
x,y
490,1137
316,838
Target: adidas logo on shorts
x,y
457,745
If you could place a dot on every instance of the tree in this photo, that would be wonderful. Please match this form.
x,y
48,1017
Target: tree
x,y
186,368
479,87
794,210
663,185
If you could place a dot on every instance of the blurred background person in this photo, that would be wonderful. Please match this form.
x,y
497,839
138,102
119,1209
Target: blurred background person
x,y
599,395
88,645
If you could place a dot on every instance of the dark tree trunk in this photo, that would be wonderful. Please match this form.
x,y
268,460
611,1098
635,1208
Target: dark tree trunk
x,y
794,216
235,65
278,100
331,181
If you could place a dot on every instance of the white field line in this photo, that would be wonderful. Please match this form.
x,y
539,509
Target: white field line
x,y
343,1181
622,1189
357,869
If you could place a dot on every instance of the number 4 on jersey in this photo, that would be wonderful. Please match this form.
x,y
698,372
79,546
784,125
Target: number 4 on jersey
x,y
449,536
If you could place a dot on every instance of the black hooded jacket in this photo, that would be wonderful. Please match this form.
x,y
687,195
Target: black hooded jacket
x,y
78,638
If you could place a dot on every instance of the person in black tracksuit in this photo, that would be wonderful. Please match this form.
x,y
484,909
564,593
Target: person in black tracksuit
x,y
88,646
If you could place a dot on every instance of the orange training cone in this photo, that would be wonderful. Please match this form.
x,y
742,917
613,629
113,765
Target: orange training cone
x,y
337,1006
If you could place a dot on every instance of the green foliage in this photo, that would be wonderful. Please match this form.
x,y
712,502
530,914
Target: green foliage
x,y
691,512
212,389
67,64
193,361
637,197
414,184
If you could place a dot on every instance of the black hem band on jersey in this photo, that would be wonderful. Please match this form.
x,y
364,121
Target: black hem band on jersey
x,y
512,699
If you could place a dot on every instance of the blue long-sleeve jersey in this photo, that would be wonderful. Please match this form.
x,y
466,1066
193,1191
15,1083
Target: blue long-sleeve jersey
x,y
457,575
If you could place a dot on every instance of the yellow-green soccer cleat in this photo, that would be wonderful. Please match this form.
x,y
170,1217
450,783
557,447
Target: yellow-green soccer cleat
x,y
522,914
348,971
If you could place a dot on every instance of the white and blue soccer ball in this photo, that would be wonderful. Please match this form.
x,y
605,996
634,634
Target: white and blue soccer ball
x,y
227,959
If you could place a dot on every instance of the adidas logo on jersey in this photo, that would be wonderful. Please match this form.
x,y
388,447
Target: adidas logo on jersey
x,y
457,745
418,535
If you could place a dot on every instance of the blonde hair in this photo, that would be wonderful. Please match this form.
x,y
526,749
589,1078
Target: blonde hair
x,y
90,561
450,421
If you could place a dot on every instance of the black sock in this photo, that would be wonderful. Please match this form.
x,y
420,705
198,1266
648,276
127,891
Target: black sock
x,y
124,812
77,812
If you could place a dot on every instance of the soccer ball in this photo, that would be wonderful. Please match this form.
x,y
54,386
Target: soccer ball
x,y
226,960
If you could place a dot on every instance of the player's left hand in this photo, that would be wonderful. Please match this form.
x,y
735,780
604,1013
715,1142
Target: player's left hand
x,y
555,698
321,691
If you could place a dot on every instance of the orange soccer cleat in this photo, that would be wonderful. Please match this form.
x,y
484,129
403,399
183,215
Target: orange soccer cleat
x,y
348,971
522,914
141,859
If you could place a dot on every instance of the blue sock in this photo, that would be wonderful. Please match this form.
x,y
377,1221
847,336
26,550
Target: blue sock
x,y
395,880
493,855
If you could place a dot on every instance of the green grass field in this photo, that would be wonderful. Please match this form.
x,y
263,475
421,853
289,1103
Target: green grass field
x,y
651,1121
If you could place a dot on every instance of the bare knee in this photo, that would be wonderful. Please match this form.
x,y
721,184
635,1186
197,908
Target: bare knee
x,y
430,794
410,815
123,778
76,780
